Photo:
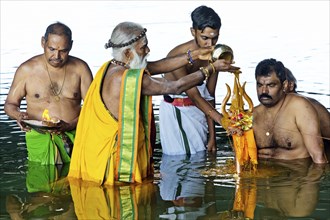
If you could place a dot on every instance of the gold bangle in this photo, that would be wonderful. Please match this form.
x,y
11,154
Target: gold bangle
x,y
213,68
205,71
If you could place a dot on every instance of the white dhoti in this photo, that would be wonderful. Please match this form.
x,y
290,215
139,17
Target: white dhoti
x,y
182,126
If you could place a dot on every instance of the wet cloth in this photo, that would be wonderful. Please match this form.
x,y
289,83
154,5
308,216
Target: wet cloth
x,y
182,126
107,150
46,147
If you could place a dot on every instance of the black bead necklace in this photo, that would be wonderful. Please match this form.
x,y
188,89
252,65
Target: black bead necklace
x,y
119,63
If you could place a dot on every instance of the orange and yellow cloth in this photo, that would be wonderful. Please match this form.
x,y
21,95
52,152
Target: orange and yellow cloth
x,y
106,150
238,123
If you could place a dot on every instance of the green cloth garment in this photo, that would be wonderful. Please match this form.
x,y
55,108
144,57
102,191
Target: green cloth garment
x,y
43,148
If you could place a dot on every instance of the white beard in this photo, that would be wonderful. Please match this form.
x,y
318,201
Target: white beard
x,y
138,62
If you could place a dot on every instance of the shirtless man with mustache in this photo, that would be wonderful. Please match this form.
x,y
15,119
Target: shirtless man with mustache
x,y
286,125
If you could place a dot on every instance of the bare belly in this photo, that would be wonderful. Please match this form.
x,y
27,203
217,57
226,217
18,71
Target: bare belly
x,y
66,109
282,153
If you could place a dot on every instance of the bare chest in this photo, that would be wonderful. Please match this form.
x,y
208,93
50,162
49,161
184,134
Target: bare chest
x,y
43,88
280,132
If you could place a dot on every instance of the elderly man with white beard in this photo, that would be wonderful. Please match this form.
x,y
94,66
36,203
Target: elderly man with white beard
x,y
113,134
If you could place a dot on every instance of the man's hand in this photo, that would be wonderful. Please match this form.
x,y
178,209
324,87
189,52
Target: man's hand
x,y
202,53
225,66
61,127
211,146
23,116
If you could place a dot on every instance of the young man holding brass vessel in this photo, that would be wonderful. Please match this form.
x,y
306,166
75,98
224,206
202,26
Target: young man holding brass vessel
x,y
186,120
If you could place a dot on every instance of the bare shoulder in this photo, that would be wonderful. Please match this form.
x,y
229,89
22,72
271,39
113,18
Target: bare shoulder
x,y
258,115
30,66
257,109
32,62
112,83
296,99
182,48
300,104
319,107
292,99
78,65
77,61
113,78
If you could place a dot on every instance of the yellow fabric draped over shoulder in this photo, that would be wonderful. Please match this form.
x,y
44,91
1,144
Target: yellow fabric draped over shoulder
x,y
97,156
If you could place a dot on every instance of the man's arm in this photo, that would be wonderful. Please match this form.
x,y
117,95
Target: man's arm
x,y
309,126
16,94
86,79
156,86
174,62
211,86
195,96
324,116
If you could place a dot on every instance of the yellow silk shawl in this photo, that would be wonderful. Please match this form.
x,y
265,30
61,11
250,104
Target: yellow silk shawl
x,y
106,150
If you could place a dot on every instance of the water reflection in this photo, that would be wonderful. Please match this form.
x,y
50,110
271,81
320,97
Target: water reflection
x,y
48,194
45,178
113,202
279,190
183,186
294,193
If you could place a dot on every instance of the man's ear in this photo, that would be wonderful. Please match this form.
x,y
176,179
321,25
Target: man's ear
x,y
286,86
128,54
193,31
43,41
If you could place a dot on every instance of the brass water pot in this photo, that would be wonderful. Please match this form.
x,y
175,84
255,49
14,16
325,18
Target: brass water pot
x,y
222,51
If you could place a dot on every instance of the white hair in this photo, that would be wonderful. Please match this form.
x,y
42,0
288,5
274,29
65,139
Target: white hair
x,y
124,32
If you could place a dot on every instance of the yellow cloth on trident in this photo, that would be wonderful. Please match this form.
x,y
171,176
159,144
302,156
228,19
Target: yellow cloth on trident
x,y
245,147
238,124
97,155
